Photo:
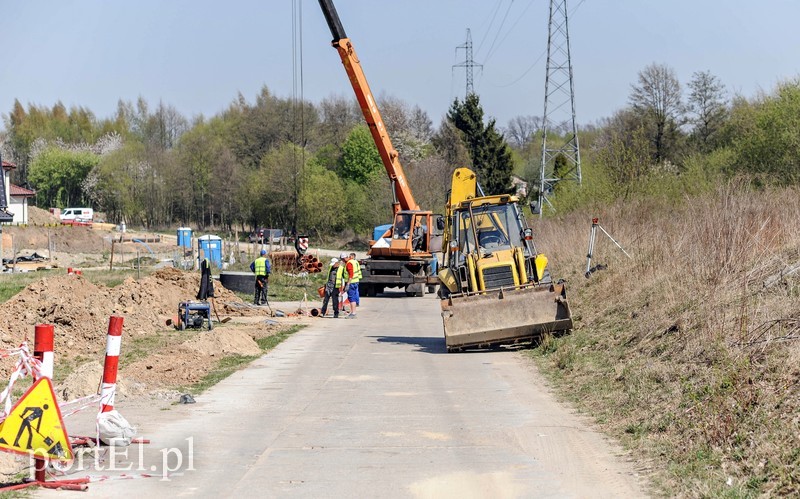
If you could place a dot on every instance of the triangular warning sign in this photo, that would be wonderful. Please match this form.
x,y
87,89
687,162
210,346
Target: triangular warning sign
x,y
34,426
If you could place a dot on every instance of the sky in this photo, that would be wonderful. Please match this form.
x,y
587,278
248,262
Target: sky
x,y
199,55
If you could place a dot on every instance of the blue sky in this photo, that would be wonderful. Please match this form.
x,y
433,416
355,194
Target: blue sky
x,y
197,55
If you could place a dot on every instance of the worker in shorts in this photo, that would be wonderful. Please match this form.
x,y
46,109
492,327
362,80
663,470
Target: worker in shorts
x,y
353,275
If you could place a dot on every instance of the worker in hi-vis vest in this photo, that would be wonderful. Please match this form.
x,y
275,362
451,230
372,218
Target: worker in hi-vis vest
x,y
353,276
262,268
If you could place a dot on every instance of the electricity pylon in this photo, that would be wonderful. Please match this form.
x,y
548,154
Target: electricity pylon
x,y
469,63
561,157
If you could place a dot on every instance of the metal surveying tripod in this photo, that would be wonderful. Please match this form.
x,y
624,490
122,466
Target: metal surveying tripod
x,y
592,234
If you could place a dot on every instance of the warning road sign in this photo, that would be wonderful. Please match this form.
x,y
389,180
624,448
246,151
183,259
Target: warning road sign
x,y
35,426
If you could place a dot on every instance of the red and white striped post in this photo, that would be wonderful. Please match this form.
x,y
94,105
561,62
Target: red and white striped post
x,y
111,364
43,350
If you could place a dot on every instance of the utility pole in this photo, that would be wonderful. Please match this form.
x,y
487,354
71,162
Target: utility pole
x,y
561,157
5,216
469,63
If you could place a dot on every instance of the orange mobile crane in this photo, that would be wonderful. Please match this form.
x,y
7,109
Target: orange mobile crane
x,y
403,255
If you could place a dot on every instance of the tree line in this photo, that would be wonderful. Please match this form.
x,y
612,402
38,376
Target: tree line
x,y
313,167
273,162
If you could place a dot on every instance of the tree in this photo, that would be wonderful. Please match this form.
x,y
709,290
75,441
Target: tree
x,y
491,156
624,151
765,134
338,116
255,129
116,183
430,178
360,158
323,205
56,174
449,146
273,186
522,129
657,100
409,128
707,102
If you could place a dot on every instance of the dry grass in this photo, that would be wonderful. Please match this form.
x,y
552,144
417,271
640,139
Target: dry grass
x,y
683,352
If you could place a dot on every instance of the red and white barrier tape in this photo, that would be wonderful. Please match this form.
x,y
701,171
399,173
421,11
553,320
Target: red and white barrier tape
x,y
27,365
77,405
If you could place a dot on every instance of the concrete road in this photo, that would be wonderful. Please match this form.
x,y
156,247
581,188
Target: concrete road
x,y
374,407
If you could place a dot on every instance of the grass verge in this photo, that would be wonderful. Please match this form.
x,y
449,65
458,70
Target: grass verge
x,y
283,287
688,354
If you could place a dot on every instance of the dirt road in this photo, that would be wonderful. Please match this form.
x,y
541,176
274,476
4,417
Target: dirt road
x,y
372,407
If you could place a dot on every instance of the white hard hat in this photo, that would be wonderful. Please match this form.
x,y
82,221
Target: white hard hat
x,y
333,261
343,256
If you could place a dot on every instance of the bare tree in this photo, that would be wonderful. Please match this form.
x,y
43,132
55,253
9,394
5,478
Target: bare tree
x,y
420,125
430,177
522,129
338,115
448,144
708,104
657,99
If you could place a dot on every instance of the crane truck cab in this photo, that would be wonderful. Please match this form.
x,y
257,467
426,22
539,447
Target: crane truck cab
x,y
404,256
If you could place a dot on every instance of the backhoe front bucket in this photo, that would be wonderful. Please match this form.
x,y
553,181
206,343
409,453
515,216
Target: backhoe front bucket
x,y
500,317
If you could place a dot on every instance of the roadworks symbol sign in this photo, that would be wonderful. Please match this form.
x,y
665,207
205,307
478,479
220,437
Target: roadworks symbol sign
x,y
35,426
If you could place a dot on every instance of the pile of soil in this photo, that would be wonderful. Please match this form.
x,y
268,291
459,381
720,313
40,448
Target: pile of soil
x,y
79,310
38,216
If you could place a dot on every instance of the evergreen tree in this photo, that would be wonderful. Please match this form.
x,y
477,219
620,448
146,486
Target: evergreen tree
x,y
490,154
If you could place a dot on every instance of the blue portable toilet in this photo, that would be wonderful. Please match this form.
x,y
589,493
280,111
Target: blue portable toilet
x,y
379,230
184,237
210,247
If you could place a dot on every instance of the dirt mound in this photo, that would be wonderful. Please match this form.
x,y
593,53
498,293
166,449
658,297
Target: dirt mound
x,y
38,216
83,381
79,310
62,238
223,343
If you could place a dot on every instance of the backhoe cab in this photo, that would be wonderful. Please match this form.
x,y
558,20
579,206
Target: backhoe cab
x,y
496,288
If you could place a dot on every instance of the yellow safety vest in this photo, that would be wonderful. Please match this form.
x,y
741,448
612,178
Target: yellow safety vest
x,y
356,271
261,266
339,276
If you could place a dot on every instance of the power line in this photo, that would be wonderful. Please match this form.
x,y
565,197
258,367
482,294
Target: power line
x,y
491,23
499,29
540,56
511,29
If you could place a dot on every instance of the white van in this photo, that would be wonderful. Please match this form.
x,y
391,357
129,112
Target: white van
x,y
77,215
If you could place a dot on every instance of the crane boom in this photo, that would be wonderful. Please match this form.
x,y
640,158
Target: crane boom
x,y
402,191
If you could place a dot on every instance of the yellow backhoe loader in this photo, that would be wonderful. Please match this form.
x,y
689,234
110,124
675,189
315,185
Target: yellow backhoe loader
x,y
496,289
